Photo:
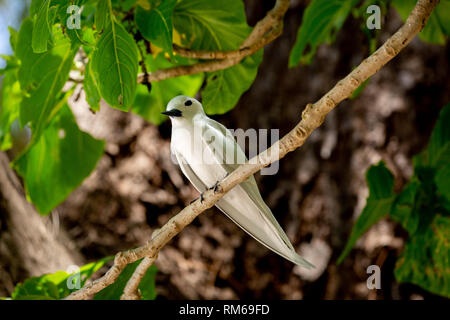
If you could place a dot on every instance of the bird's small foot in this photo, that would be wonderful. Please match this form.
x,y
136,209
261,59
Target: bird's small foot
x,y
215,187
201,199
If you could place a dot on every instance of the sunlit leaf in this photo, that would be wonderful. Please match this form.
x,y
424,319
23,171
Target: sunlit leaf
x,y
55,285
115,65
9,107
101,15
156,24
91,88
42,29
41,76
205,25
62,158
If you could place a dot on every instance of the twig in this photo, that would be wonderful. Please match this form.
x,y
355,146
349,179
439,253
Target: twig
x,y
240,53
265,31
312,117
233,58
131,289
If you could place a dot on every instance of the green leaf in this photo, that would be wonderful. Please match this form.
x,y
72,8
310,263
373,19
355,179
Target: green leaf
x,y
437,152
379,202
11,63
321,19
41,30
65,16
403,209
426,259
156,24
91,88
115,65
13,33
442,180
150,105
225,87
437,28
54,286
146,286
205,25
62,158
101,15
438,147
41,76
9,107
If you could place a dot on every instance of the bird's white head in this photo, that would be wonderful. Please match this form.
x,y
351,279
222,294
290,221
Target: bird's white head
x,y
183,108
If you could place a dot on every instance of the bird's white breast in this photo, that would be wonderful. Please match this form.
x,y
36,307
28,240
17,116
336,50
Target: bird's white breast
x,y
188,140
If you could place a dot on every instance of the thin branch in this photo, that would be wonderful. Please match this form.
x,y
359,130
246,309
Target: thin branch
x,y
265,31
131,289
312,117
232,54
233,58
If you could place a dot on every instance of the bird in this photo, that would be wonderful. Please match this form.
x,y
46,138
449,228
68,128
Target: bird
x,y
207,152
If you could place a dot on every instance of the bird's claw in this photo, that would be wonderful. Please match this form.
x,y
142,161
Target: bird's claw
x,y
201,199
215,187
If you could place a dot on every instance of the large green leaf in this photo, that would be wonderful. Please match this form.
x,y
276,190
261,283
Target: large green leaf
x,y
115,65
91,88
54,286
379,202
41,76
403,209
146,286
438,147
442,180
42,29
150,105
101,15
9,107
437,152
321,20
156,24
205,25
426,259
78,12
62,158
437,28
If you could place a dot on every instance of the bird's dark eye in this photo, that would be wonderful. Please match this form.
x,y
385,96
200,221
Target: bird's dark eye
x,y
188,103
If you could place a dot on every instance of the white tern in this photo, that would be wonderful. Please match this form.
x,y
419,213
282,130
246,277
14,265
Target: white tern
x,y
206,152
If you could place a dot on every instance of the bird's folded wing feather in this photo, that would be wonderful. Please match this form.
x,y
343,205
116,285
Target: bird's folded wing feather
x,y
249,185
258,230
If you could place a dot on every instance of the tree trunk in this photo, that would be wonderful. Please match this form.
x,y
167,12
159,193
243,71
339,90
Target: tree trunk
x,y
29,245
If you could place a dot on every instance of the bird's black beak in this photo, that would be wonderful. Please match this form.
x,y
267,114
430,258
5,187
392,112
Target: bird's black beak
x,y
173,113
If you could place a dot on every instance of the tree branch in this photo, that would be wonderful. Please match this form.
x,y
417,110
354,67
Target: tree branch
x,y
231,58
131,289
232,54
265,31
312,117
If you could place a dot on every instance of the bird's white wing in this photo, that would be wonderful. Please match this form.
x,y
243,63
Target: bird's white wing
x,y
244,204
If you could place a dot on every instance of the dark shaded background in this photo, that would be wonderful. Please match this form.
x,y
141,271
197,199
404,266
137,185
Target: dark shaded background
x,y
316,196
